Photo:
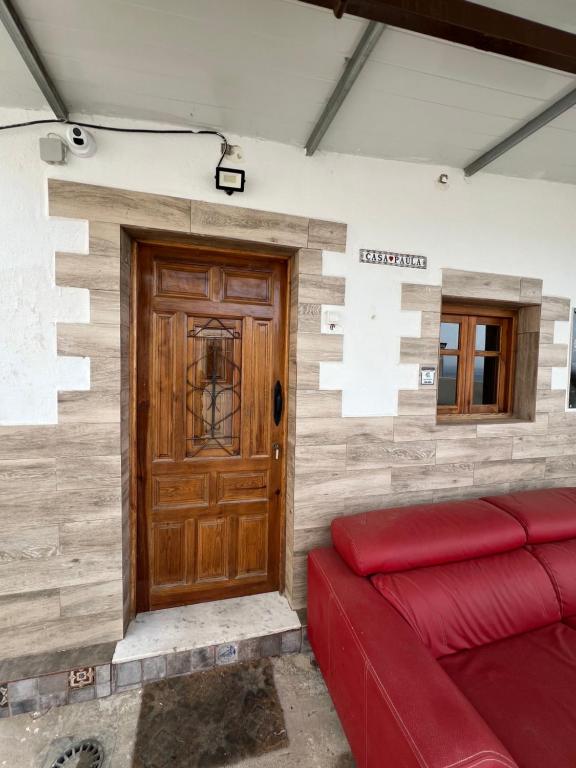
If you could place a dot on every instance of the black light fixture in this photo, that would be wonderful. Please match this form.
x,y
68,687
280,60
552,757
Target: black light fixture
x,y
230,180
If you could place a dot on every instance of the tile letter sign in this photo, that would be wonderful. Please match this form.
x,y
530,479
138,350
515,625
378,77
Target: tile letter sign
x,y
393,259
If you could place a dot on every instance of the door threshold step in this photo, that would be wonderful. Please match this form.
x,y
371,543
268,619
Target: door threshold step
x,y
213,625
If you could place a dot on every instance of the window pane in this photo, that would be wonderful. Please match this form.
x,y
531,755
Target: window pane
x,y
449,335
572,400
488,338
447,380
485,381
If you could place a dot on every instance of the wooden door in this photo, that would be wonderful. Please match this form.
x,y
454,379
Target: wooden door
x,y
210,383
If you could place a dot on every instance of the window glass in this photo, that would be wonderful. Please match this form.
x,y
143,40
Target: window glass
x,y
487,338
449,335
476,365
485,381
447,380
572,398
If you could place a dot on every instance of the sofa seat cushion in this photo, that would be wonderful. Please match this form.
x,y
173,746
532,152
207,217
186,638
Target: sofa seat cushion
x,y
464,605
525,689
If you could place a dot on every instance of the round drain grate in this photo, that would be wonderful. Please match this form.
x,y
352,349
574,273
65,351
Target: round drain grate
x,y
88,753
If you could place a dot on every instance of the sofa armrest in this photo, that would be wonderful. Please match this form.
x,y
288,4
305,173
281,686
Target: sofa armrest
x,y
398,707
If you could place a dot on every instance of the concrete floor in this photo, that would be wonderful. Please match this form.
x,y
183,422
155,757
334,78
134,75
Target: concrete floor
x,y
315,737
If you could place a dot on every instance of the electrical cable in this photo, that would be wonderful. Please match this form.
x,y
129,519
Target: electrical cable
x,y
31,122
93,126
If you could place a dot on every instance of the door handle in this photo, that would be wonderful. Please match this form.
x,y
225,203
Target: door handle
x,y
278,403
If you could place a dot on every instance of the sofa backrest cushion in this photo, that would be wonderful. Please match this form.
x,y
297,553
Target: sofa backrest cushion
x,y
548,514
464,605
559,560
399,539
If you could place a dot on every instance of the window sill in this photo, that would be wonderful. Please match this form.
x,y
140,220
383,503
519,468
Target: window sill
x,y
482,418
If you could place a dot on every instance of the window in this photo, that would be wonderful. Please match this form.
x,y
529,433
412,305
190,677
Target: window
x,y
477,350
572,395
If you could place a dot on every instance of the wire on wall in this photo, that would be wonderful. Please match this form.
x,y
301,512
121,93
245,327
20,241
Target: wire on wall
x,y
94,126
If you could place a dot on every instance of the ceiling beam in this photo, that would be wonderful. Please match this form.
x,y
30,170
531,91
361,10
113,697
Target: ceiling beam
x,y
535,124
29,54
354,66
467,23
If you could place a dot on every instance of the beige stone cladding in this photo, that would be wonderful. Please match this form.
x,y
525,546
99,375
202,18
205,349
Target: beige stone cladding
x,y
65,512
65,573
346,465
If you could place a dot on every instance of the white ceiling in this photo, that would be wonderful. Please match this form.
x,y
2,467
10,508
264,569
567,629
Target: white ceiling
x,y
553,13
266,68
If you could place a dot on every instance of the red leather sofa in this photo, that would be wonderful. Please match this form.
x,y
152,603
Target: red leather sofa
x,y
446,633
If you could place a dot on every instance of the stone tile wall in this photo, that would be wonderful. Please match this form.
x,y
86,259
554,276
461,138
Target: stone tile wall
x,y
65,579
65,556
347,465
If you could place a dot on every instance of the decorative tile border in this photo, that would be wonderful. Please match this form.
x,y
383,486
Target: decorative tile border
x,y
80,678
39,694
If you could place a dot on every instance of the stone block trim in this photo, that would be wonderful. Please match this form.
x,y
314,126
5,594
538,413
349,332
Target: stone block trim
x,y
39,694
117,206
508,455
336,465
85,504
315,414
67,524
460,284
327,235
347,465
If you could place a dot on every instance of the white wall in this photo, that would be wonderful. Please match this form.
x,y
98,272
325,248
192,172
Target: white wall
x,y
486,223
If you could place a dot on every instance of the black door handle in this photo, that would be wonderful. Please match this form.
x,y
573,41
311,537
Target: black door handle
x,y
278,403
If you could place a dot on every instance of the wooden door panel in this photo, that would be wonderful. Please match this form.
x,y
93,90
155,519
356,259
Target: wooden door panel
x,y
213,549
182,280
210,349
163,383
169,554
191,489
242,486
260,382
252,545
251,287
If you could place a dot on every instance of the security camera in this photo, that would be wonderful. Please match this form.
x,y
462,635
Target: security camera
x,y
80,141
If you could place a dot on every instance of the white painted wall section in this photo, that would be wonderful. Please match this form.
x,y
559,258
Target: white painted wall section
x,y
488,223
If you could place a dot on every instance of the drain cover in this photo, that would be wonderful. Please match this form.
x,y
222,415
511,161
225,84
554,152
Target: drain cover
x,y
83,754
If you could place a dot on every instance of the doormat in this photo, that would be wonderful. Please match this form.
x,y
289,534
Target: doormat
x,y
210,719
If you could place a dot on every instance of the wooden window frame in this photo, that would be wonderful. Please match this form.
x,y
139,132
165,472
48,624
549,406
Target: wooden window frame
x,y
468,316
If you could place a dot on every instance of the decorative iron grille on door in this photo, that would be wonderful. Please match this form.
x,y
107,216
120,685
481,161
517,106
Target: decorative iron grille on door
x,y
213,397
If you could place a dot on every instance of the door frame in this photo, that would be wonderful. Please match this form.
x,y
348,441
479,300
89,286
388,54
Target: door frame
x,y
250,250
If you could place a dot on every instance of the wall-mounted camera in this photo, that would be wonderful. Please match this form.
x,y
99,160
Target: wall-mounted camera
x,y
80,141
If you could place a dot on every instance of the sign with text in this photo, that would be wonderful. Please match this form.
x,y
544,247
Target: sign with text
x,y
368,256
427,375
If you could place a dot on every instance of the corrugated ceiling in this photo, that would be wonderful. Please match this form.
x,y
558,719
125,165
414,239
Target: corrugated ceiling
x,y
266,67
